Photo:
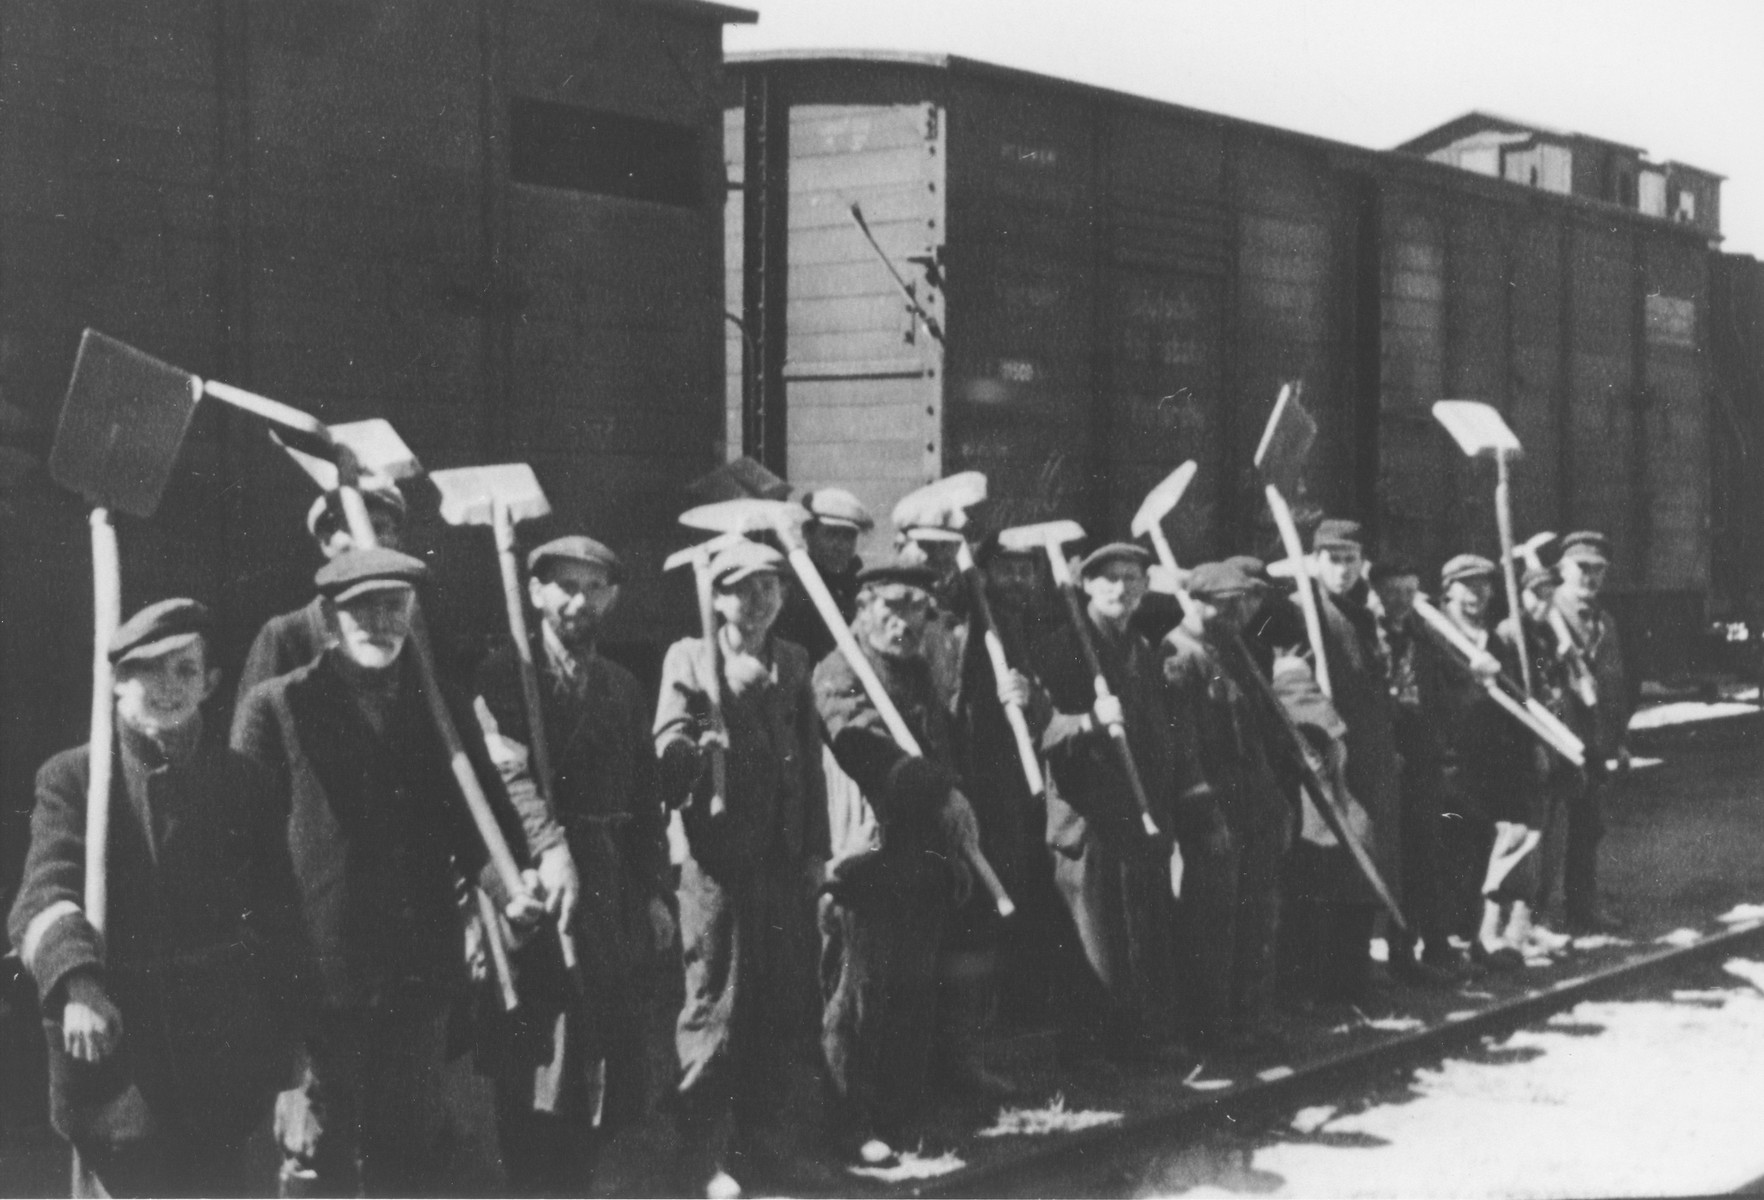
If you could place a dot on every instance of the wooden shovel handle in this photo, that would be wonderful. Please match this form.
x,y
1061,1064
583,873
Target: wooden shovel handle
x,y
106,615
1062,574
713,653
1295,554
1026,753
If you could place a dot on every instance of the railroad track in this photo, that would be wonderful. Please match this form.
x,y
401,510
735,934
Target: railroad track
x,y
1070,1164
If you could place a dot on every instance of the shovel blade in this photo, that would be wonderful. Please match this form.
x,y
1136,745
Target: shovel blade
x,y
1286,442
1022,538
702,552
469,494
735,480
745,515
1163,498
942,505
1478,428
379,449
122,425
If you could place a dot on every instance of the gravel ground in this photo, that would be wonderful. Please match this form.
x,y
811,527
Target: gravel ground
x,y
1650,1096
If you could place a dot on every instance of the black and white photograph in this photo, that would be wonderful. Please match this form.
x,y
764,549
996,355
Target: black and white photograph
x,y
881,598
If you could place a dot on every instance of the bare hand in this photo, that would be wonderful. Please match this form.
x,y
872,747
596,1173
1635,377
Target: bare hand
x,y
712,739
559,884
960,825
297,1126
661,924
1013,689
1484,665
1108,713
91,1026
525,908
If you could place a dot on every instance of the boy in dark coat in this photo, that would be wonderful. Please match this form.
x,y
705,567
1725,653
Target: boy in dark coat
x,y
170,1033
379,837
748,1029
1114,878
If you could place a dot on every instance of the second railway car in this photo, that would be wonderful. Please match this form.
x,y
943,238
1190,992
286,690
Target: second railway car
x,y
1123,284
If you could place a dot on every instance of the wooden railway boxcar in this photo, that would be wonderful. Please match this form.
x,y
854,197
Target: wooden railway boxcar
x,y
497,223
1126,283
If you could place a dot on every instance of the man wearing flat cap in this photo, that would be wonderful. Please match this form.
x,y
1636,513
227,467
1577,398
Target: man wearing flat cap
x,y
748,1034
1416,664
293,639
836,520
1602,724
1357,670
380,836
170,1034
1113,876
1229,917
897,825
1492,771
601,847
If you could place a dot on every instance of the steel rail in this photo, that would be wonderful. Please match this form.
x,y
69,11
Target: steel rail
x,y
1066,1164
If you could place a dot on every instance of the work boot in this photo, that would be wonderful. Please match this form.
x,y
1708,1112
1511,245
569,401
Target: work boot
x,y
966,1003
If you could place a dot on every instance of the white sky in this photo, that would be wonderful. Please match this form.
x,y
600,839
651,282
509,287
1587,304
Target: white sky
x,y
1684,80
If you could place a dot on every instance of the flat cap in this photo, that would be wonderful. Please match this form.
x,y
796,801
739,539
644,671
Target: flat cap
x,y
738,560
1587,546
1392,568
577,548
1539,574
160,628
1250,565
1466,566
1338,533
1213,579
913,574
355,572
1100,557
377,491
836,506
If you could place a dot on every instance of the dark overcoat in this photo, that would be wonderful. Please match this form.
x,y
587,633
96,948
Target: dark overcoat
x,y
202,953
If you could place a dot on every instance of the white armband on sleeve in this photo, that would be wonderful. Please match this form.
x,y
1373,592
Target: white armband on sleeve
x,y
39,926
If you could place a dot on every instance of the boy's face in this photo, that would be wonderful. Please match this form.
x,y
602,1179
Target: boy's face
x,y
895,615
166,691
1470,597
1115,589
1538,599
1338,568
372,627
830,544
751,604
1397,594
1583,577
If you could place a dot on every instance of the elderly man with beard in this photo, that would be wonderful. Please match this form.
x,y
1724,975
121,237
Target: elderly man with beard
x,y
379,835
1114,878
602,853
1359,676
170,1032
1229,916
747,1033
896,871
1601,721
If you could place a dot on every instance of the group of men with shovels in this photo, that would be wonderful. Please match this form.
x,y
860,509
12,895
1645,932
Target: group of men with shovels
x,y
871,807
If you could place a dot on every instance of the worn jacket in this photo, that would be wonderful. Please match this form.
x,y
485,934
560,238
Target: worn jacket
x,y
777,795
1359,674
1602,726
1088,793
1236,742
203,951
286,641
377,829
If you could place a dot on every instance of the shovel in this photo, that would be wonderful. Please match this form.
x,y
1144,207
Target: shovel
x,y
735,480
1279,458
744,516
122,426
1481,432
699,556
955,495
1052,536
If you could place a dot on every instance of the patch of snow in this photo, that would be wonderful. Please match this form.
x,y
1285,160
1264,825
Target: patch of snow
x,y
1599,941
1208,1085
1273,1073
1310,1120
1040,1122
1687,712
1680,938
1742,912
912,1166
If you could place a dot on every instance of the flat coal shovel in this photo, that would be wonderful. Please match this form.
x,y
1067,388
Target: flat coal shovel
x,y
745,516
1052,536
1280,458
946,498
1481,432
